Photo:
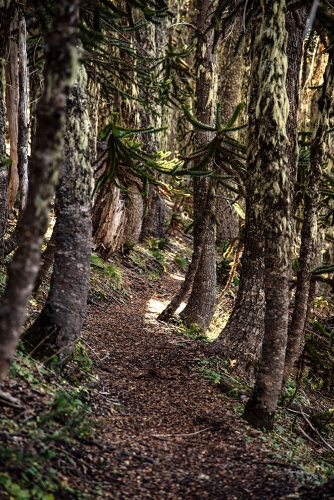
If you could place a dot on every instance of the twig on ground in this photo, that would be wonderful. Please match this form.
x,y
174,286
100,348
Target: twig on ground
x,y
180,435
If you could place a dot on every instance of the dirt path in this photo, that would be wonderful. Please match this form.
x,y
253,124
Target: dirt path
x,y
167,432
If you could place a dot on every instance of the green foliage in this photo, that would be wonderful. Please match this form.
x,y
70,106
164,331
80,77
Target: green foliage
x,y
29,461
81,358
225,153
108,271
124,155
181,261
156,243
192,331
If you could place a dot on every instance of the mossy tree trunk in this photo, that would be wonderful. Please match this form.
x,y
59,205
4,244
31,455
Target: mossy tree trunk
x,y
201,303
60,61
57,329
268,153
242,336
308,250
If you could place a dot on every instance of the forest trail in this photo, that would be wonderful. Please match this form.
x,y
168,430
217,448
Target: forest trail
x,y
168,433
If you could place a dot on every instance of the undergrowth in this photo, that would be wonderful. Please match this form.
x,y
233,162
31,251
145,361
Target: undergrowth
x,y
41,442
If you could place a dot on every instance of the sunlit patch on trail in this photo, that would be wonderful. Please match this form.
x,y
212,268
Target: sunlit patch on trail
x,y
155,307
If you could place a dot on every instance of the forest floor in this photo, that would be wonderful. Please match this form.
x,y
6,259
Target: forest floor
x,y
137,414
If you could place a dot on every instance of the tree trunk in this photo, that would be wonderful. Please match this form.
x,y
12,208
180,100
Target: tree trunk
x,y
319,155
201,303
46,261
3,166
268,151
242,336
168,312
154,224
109,219
57,329
60,61
12,102
22,165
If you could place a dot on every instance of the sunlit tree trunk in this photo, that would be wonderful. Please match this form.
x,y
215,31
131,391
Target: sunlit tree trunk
x,y
61,57
268,152
57,329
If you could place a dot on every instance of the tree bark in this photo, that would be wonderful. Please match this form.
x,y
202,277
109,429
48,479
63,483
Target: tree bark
x,y
46,261
12,102
318,155
268,151
201,303
242,336
168,312
57,329
154,223
22,165
6,16
61,57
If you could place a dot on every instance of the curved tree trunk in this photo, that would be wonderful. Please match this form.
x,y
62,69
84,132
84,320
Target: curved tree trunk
x,y
57,329
201,303
268,152
319,153
60,61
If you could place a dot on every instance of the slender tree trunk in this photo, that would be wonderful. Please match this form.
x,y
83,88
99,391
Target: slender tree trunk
x,y
57,329
168,312
201,303
319,155
12,101
22,165
46,261
268,150
60,62
3,166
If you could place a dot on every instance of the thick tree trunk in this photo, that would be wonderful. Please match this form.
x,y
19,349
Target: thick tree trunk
x,y
268,151
154,223
201,303
109,219
319,155
242,336
60,61
57,329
